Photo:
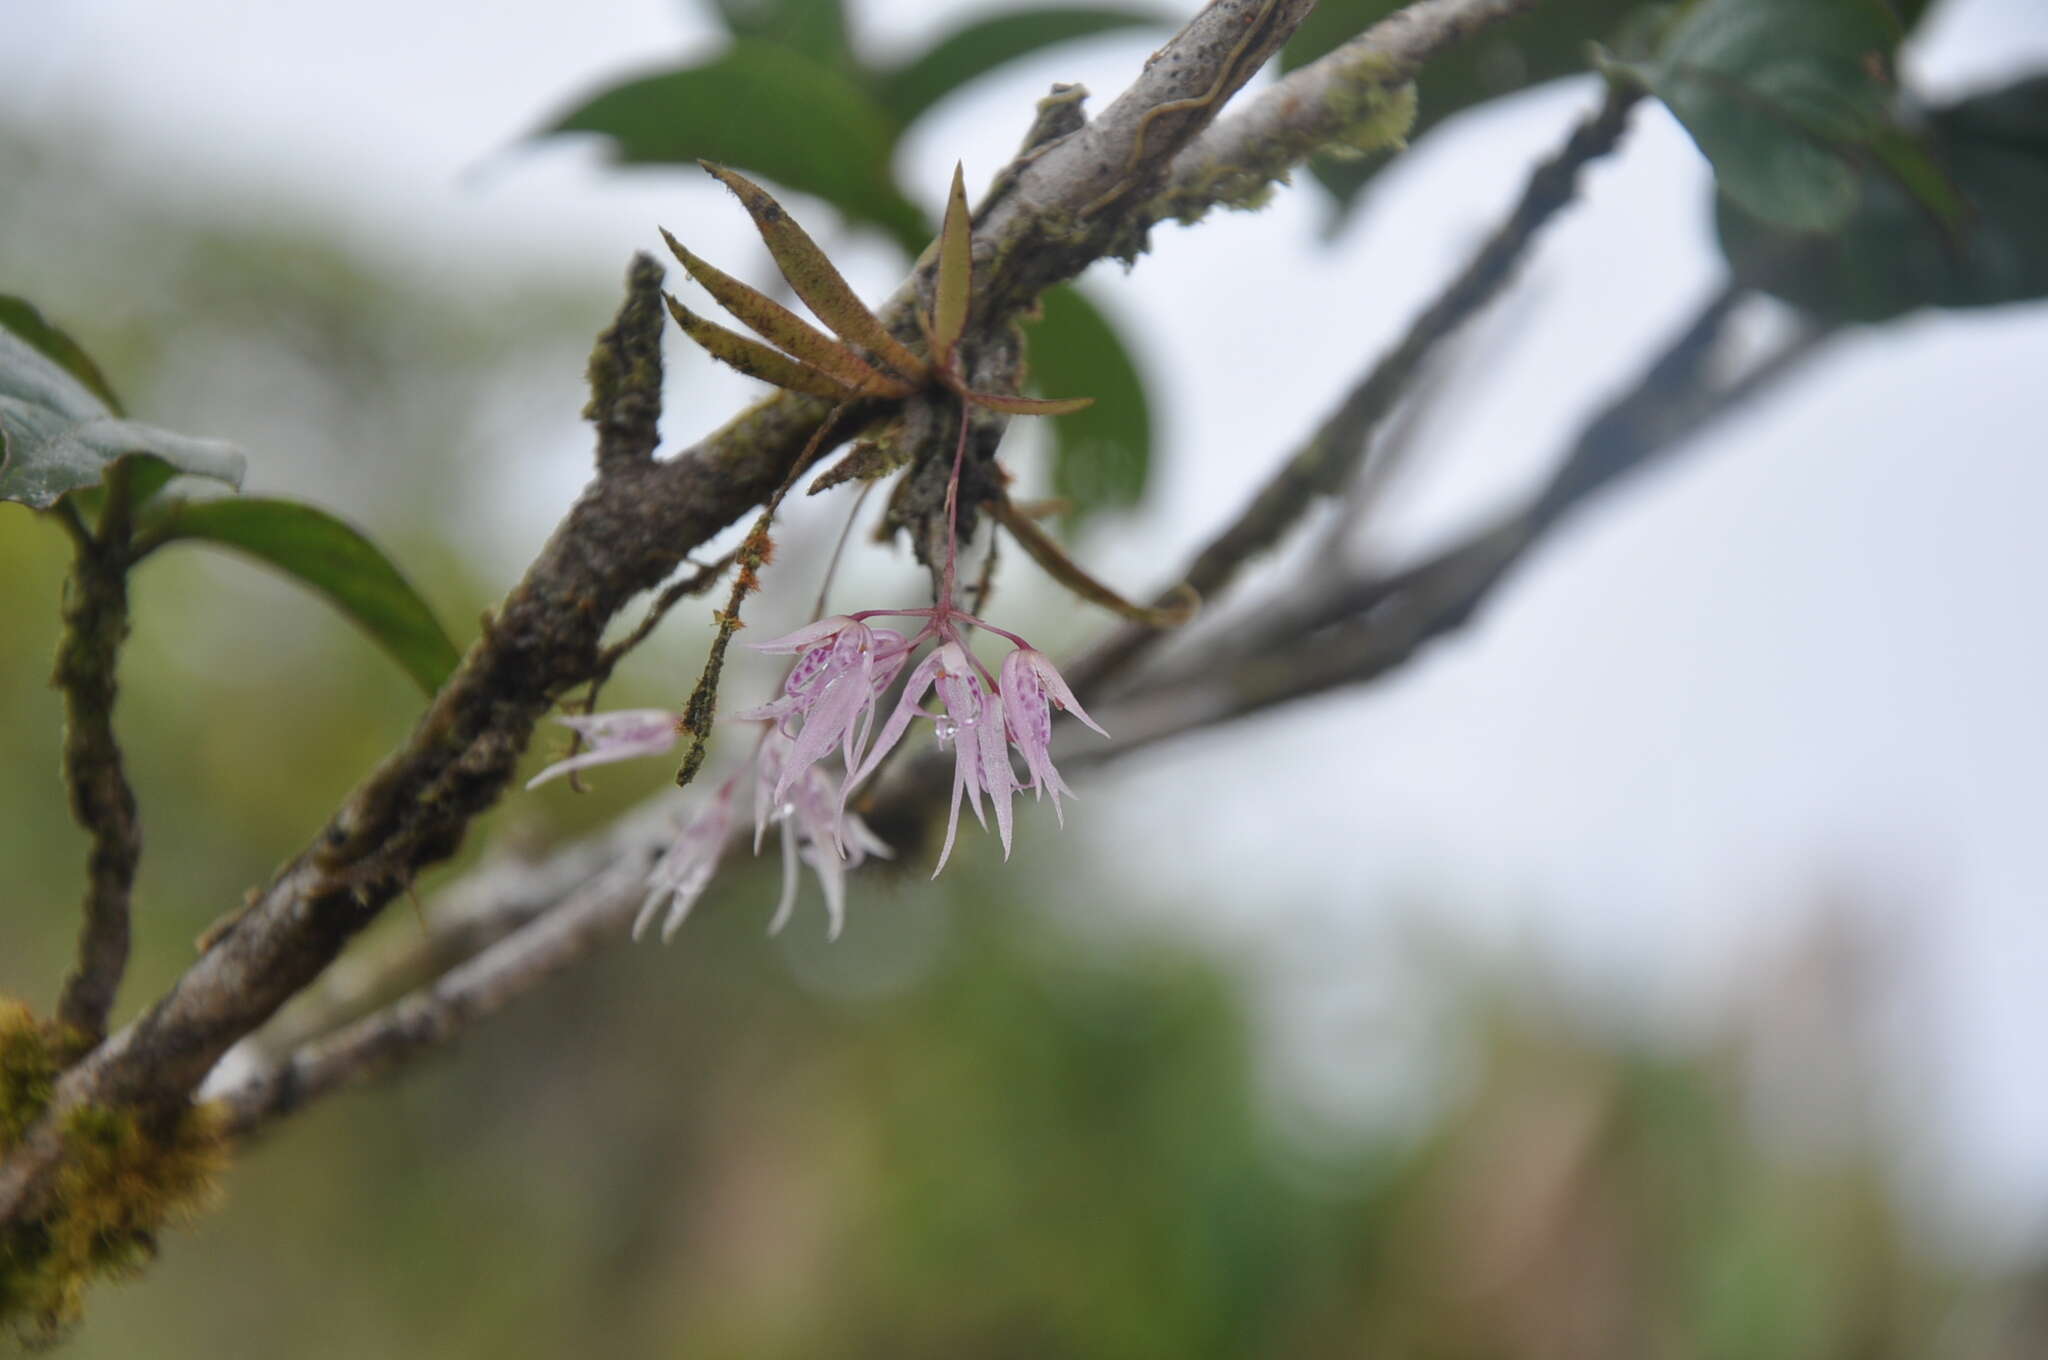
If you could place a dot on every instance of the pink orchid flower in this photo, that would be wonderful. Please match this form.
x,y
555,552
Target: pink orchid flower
x,y
626,734
816,829
972,721
685,870
829,698
1031,688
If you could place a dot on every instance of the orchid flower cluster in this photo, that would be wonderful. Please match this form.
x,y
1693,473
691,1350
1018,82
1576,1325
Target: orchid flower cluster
x,y
844,668
829,703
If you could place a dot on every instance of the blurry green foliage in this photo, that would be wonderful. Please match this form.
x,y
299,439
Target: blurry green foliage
x,y
1894,253
58,436
1835,194
325,554
1102,456
1791,100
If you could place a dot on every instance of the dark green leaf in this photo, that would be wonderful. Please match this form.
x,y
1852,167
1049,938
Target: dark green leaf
x,y
1512,55
1895,254
767,109
1792,102
816,28
22,317
1101,456
332,558
982,45
57,436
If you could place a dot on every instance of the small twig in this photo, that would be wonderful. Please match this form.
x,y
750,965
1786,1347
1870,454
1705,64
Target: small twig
x,y
1323,464
700,708
95,626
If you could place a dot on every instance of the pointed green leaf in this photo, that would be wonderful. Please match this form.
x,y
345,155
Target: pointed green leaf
x,y
1792,101
753,358
774,110
824,290
1101,456
330,557
981,45
1030,406
57,436
23,318
816,28
956,245
1894,255
777,324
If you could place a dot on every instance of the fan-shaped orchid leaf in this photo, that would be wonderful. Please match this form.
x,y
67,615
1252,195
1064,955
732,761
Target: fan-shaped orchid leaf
x,y
334,559
956,243
821,286
753,358
780,326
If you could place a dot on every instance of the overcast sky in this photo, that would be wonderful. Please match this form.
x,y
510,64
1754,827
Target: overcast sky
x,y
1805,657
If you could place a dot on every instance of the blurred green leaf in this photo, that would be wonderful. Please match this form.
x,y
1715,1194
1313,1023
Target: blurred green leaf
x,y
322,552
58,436
1102,455
23,318
816,28
1893,254
1526,50
1792,101
768,109
981,45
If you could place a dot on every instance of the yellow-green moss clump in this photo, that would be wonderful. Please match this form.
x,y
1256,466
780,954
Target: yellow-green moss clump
x,y
123,1178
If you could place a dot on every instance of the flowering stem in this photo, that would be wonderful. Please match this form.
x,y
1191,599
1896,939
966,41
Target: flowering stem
x,y
946,590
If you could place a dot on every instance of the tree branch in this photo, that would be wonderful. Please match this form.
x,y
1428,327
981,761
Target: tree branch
x,y
1069,204
1328,103
1325,461
518,924
1365,629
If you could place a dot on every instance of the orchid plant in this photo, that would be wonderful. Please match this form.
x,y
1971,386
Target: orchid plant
x,y
844,666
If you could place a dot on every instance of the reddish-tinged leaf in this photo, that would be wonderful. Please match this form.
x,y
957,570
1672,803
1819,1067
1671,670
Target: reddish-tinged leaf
x,y
1030,406
753,358
815,279
776,323
1069,573
949,309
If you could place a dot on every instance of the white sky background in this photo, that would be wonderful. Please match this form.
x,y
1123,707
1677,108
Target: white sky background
x,y
1805,656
